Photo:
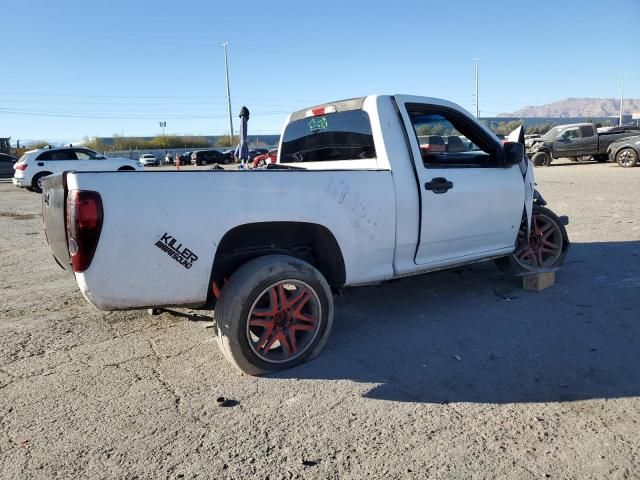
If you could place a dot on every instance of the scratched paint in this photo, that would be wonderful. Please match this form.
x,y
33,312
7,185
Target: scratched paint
x,y
360,218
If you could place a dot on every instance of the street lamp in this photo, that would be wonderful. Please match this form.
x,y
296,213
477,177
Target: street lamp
x,y
164,139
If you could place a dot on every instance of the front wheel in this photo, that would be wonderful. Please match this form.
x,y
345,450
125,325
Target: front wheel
x,y
627,157
545,248
541,159
274,313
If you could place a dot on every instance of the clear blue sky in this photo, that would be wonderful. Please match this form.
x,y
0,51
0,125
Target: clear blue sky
x,y
75,68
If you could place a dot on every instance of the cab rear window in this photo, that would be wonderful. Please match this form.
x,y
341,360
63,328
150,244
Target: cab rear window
x,y
332,137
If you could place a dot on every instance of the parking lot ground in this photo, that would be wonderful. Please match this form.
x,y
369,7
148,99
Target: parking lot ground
x,y
456,374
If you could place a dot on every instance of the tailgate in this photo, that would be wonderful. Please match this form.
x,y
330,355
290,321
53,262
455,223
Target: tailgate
x,y
54,211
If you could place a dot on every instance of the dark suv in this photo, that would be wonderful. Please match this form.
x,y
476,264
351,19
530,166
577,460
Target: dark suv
x,y
205,157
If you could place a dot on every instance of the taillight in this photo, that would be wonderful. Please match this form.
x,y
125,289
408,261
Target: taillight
x,y
20,166
84,223
314,112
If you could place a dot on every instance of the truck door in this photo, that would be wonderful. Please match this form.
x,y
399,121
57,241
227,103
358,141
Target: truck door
x,y
471,206
568,143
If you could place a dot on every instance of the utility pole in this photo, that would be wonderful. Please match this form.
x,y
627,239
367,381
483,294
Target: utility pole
x,y
477,100
226,69
621,102
164,139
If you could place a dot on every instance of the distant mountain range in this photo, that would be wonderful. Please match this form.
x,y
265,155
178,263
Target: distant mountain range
x,y
579,107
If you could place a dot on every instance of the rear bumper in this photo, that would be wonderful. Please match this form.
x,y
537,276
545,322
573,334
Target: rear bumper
x,y
19,182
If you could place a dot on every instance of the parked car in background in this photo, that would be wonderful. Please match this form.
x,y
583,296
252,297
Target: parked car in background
x,y
576,141
230,152
148,160
531,139
35,165
266,158
205,157
625,152
6,165
254,152
185,158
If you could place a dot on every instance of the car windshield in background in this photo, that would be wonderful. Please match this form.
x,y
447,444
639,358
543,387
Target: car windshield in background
x,y
551,134
335,136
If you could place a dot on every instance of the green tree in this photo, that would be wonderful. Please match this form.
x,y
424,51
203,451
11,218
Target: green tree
x,y
505,128
539,129
224,141
435,129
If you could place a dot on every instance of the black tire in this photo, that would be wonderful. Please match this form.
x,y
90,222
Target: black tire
x,y
236,315
126,169
225,161
541,159
627,157
36,183
512,266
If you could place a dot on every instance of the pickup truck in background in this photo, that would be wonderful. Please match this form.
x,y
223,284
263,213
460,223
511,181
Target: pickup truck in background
x,y
576,141
356,197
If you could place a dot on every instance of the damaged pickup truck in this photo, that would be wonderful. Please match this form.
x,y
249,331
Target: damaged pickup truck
x,y
577,142
354,199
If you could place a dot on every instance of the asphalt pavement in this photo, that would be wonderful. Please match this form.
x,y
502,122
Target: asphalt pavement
x,y
456,374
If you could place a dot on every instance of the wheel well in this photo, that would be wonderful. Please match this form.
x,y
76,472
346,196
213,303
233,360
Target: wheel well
x,y
126,168
544,150
310,242
38,175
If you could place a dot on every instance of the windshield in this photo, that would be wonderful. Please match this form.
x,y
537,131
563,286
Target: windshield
x,y
551,134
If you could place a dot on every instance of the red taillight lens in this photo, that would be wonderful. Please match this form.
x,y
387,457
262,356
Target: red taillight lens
x,y
20,166
84,223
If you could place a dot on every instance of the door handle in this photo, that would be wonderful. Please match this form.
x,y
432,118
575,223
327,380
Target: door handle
x,y
438,185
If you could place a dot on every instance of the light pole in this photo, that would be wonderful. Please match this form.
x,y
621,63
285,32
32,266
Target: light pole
x,y
164,139
226,69
621,103
477,100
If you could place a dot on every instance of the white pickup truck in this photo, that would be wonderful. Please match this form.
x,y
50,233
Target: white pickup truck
x,y
355,198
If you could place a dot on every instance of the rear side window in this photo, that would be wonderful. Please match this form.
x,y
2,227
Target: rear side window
x,y
57,155
586,131
335,136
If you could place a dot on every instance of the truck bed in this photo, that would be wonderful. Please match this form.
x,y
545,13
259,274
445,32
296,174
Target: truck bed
x,y
144,210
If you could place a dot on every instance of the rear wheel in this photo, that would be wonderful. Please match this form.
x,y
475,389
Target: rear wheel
x,y
36,183
545,248
627,157
274,313
126,169
541,159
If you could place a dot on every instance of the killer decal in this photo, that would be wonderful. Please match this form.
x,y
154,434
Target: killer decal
x,y
180,254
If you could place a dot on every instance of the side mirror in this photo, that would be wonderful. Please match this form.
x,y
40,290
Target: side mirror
x,y
512,153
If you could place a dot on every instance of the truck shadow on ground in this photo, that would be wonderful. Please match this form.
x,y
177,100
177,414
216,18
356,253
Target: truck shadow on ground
x,y
472,335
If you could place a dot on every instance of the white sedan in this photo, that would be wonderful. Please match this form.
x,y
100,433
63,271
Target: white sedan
x,y
34,165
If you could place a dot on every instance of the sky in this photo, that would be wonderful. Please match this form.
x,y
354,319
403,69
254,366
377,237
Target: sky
x,y
84,68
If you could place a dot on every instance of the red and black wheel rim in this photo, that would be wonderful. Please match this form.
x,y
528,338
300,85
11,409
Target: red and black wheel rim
x,y
544,245
284,321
